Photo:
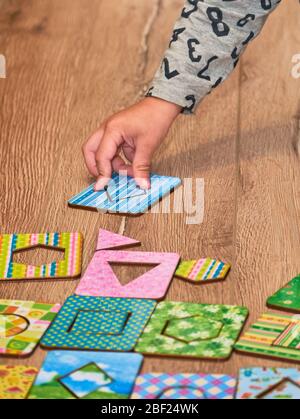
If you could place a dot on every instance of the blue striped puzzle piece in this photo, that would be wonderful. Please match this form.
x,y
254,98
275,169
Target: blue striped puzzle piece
x,y
123,195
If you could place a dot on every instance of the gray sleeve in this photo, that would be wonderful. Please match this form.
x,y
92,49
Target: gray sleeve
x,y
206,44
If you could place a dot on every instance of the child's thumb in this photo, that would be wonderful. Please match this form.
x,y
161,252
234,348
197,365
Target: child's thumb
x,y
142,166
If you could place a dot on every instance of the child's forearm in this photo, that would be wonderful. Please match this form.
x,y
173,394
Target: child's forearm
x,y
207,42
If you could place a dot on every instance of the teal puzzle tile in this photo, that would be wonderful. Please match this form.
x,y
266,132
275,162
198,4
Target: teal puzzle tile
x,y
100,322
97,336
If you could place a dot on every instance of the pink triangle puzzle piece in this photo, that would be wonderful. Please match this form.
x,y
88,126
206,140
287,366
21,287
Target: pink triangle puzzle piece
x,y
108,240
100,280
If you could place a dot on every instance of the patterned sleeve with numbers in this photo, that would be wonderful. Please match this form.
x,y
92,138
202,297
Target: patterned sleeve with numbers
x,y
206,44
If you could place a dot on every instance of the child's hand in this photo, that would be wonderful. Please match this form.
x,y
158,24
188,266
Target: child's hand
x,y
137,131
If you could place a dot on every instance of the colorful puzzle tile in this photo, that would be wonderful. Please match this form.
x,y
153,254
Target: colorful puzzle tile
x,y
202,270
22,324
86,375
70,267
192,330
15,382
123,195
288,298
274,335
100,279
98,334
269,383
108,240
184,386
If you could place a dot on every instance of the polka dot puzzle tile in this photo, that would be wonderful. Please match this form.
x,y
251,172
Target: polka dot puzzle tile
x,y
69,267
131,316
288,297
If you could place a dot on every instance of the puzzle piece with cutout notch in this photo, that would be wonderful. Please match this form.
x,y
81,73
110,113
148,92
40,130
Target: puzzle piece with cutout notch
x,y
184,386
95,335
22,324
86,375
192,330
123,196
15,381
202,270
269,383
273,335
69,267
288,297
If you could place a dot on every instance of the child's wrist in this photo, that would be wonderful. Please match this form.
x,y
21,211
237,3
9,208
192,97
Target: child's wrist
x,y
168,109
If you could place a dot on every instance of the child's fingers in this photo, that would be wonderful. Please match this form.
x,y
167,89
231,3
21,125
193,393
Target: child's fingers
x,y
142,166
105,154
119,165
89,151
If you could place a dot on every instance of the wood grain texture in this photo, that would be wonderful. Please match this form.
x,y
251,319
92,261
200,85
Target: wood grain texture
x,y
70,64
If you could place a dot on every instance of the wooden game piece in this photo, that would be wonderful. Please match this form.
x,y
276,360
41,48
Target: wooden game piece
x,y
203,270
86,375
184,386
74,329
22,324
273,335
70,267
15,381
108,240
123,196
288,297
100,279
269,383
192,330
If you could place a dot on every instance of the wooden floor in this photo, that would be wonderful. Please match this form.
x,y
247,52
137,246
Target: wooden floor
x,y
71,63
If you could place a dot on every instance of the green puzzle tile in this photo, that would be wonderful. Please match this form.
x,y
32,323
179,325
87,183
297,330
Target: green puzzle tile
x,y
288,297
192,330
88,323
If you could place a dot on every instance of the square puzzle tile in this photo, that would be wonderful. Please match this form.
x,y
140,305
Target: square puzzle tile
x,y
22,324
93,317
123,196
273,335
15,381
269,383
70,267
192,330
184,386
86,375
202,270
288,297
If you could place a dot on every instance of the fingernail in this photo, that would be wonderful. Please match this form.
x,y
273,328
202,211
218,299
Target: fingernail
x,y
144,183
101,184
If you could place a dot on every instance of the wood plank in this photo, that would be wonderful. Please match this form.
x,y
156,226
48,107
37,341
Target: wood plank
x,y
268,236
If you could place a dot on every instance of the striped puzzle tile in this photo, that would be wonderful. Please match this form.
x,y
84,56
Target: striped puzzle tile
x,y
22,324
269,384
202,270
273,335
288,297
123,195
192,330
184,386
70,243
15,381
86,375
94,334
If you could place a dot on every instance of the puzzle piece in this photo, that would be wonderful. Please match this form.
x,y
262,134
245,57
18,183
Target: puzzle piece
x,y
108,240
288,297
15,381
100,279
96,336
202,270
192,330
86,375
184,386
274,335
269,383
70,267
22,324
123,196
96,322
